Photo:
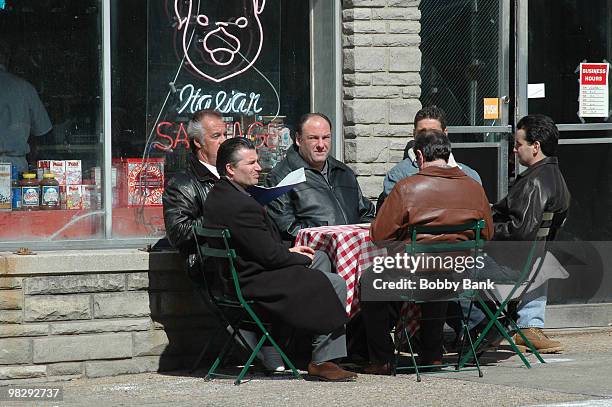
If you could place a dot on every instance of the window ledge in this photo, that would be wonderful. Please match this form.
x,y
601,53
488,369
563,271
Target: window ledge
x,y
87,261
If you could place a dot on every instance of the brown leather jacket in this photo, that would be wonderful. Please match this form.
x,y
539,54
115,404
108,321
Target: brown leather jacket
x,y
434,196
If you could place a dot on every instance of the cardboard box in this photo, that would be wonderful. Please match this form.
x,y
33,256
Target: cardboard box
x,y
5,187
89,197
74,175
138,183
57,167
74,197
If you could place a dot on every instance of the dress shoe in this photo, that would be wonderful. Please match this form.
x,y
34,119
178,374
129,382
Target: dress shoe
x,y
539,340
385,369
491,340
329,372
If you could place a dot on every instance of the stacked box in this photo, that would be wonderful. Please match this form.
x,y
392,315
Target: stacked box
x,y
74,197
74,176
138,183
5,187
57,167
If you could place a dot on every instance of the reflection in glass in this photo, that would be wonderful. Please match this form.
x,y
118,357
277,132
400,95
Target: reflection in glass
x,y
460,50
56,50
562,34
260,84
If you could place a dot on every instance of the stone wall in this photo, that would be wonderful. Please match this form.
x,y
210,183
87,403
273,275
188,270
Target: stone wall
x,y
97,313
381,86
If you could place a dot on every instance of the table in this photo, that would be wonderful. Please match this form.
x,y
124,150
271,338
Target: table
x,y
351,252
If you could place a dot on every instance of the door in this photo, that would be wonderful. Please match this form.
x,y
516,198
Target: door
x,y
553,38
465,71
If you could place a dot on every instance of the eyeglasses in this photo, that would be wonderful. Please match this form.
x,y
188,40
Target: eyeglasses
x,y
413,162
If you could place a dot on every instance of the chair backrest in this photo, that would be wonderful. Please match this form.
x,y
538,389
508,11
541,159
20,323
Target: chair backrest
x,y
415,247
218,263
551,224
549,227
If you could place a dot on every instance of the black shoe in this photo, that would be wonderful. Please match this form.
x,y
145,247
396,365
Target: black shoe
x,y
490,341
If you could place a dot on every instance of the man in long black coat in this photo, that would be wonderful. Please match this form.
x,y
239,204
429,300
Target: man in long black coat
x,y
278,278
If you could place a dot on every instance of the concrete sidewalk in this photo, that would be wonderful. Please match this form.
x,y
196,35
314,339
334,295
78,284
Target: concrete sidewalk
x,y
581,375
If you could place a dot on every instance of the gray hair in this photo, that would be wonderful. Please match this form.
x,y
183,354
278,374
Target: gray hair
x,y
195,130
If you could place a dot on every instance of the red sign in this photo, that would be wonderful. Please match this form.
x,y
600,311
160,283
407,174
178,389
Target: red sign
x,y
594,74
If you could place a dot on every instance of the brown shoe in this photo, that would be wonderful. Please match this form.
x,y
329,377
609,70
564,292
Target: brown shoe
x,y
379,369
539,340
330,372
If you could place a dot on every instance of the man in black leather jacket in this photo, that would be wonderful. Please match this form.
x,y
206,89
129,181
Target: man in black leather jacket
x,y
186,192
541,188
330,195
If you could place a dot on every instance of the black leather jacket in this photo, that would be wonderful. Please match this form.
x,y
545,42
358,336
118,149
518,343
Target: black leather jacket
x,y
183,200
541,188
317,202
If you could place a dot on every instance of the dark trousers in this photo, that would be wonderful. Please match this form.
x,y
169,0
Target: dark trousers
x,y
380,317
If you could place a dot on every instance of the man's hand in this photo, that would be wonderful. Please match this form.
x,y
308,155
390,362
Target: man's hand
x,y
305,250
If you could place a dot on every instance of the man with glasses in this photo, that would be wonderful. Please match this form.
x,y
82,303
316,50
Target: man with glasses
x,y
428,118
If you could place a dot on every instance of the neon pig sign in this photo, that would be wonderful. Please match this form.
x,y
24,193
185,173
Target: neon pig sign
x,y
212,45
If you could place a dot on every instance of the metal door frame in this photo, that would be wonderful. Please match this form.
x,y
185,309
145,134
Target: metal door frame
x,y
522,79
497,131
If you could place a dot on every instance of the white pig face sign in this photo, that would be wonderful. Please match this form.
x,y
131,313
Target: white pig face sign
x,y
220,39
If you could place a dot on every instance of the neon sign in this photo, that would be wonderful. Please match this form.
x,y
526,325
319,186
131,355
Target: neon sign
x,y
236,102
220,53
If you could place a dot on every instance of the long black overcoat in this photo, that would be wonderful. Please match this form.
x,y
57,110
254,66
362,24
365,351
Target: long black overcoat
x,y
278,279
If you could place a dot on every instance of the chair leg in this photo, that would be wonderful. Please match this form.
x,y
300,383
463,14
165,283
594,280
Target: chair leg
x,y
473,350
414,363
250,360
492,319
296,374
203,352
228,344
494,322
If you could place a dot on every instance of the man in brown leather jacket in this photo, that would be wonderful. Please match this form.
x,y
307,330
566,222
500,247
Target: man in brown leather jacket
x,y
437,195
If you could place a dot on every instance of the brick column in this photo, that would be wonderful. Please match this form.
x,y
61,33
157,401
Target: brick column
x,y
381,86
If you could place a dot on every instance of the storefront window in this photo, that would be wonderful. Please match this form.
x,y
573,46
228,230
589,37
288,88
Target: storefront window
x,y
248,59
50,121
460,46
556,50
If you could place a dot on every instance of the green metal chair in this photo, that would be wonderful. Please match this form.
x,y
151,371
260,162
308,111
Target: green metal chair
x,y
497,303
416,248
223,287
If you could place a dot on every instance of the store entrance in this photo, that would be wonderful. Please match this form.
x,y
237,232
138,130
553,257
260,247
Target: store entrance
x,y
554,37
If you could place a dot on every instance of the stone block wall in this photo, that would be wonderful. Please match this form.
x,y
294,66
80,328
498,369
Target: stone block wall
x,y
82,317
381,86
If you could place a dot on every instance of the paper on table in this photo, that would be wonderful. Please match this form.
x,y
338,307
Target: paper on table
x,y
264,195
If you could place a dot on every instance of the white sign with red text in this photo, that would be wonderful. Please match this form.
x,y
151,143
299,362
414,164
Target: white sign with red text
x,y
593,98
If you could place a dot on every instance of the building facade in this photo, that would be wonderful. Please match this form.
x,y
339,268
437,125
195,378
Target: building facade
x,y
120,78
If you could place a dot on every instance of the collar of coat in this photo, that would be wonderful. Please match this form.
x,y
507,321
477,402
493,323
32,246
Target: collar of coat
x,y
295,161
443,172
199,170
544,161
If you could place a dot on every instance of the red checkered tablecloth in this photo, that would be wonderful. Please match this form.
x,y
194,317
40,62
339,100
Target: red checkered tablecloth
x,y
351,252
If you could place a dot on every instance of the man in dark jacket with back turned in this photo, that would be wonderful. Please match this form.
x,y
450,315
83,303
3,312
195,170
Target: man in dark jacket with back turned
x,y
186,192
281,280
330,195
